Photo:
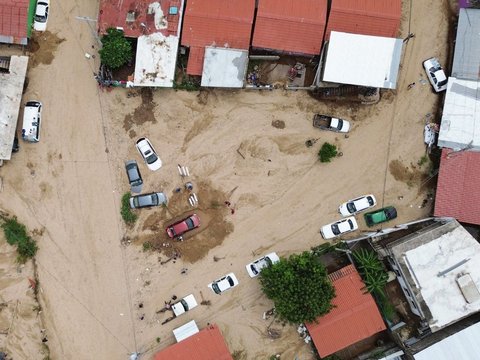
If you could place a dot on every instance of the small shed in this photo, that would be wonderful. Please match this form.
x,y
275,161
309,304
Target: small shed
x,y
224,67
365,17
362,60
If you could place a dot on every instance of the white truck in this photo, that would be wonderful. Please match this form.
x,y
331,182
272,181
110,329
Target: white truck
x,y
184,305
326,122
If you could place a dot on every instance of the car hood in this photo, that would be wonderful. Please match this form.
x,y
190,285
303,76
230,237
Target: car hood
x,y
327,232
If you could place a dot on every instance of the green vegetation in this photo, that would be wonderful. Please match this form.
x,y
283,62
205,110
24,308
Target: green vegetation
x,y
16,234
299,287
372,271
327,152
188,83
127,214
147,245
116,49
423,160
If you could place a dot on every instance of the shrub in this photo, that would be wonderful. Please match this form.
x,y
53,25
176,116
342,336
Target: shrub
x,y
16,234
327,152
127,215
116,49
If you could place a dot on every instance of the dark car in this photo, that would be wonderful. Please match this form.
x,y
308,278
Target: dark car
x,y
147,200
182,226
134,176
380,216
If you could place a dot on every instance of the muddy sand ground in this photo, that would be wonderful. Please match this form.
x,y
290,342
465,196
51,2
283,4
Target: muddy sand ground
x,y
247,148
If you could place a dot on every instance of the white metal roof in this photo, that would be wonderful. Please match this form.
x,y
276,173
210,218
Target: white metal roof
x,y
461,345
466,59
362,60
224,67
460,126
435,266
11,89
185,331
156,60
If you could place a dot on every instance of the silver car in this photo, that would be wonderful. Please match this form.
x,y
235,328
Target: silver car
x,y
147,200
134,176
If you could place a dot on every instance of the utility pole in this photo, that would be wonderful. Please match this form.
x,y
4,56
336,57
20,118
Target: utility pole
x,y
89,21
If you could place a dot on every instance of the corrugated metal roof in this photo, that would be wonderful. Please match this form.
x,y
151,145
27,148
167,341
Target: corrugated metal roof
x,y
366,17
222,23
458,193
291,26
208,344
14,19
355,315
461,345
363,60
466,59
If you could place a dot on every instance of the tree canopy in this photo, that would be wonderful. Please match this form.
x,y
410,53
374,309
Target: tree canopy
x,y
299,287
116,49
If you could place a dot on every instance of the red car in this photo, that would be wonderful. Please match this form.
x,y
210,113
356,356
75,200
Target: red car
x,y
182,226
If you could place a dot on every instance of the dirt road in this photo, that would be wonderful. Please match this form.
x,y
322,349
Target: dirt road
x,y
244,147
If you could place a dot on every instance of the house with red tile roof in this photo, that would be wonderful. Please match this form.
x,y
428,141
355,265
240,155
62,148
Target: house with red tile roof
x,y
354,317
156,25
372,17
208,344
290,26
14,21
219,23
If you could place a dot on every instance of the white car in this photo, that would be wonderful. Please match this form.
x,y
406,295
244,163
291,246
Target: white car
x,y
227,282
41,15
352,207
184,305
339,227
254,268
435,74
148,153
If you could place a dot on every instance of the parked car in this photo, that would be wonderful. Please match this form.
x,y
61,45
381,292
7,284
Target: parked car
x,y
184,305
134,176
147,200
148,153
352,207
254,268
339,227
32,116
41,15
435,74
381,215
183,226
227,282
326,122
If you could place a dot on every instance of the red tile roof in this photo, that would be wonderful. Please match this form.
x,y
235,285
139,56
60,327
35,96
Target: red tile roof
x,y
365,17
458,193
216,22
291,26
355,316
113,13
14,19
208,344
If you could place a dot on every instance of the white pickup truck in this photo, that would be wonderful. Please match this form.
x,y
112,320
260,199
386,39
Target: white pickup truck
x,y
184,305
326,122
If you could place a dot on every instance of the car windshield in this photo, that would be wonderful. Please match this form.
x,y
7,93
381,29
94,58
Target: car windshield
x,y
351,207
190,223
254,269
150,157
340,124
442,83
40,18
335,229
230,281
370,200
216,288
350,223
268,261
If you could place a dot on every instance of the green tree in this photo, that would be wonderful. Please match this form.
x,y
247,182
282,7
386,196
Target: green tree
x,y
16,234
127,214
116,50
299,287
327,152
372,271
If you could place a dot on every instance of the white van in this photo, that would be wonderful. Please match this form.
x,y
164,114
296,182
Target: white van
x,y
31,121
